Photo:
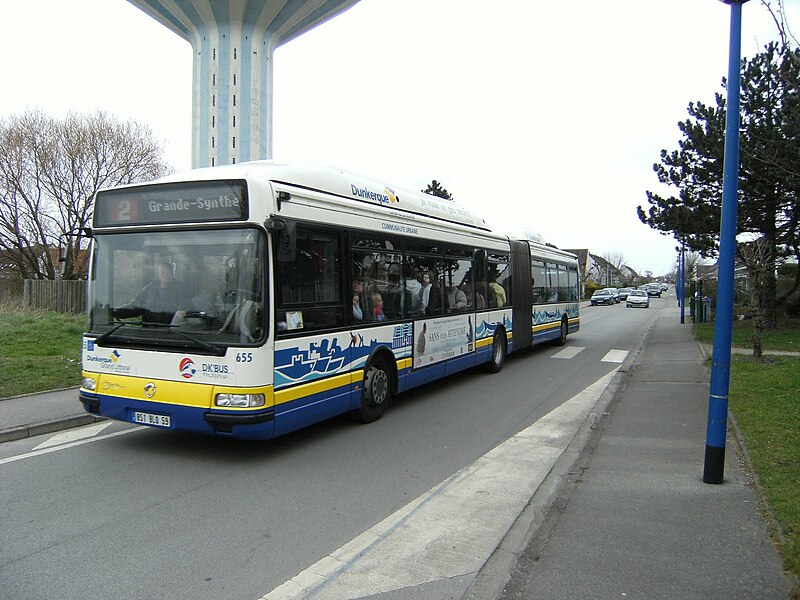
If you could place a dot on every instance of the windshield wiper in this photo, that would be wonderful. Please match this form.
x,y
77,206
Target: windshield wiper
x,y
205,345
100,339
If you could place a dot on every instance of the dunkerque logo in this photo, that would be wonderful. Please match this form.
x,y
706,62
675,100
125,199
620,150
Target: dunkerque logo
x,y
115,355
187,368
387,197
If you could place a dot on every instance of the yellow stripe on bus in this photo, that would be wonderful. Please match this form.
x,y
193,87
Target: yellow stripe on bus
x,y
330,383
169,392
180,393
317,387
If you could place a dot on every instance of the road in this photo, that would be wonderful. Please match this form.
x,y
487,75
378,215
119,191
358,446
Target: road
x,y
131,512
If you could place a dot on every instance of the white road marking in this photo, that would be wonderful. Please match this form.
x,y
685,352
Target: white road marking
x,y
33,453
615,356
569,352
71,435
451,530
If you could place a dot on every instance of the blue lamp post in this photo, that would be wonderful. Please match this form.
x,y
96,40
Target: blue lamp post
x,y
721,359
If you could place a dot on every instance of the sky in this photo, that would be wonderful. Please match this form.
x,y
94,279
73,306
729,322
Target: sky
x,y
543,116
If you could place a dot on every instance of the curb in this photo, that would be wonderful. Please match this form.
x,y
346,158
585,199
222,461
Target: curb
x,y
66,389
25,431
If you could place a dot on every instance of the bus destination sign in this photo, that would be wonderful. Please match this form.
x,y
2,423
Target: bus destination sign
x,y
172,203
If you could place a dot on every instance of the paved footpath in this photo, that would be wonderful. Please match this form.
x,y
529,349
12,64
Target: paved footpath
x,y
37,414
634,519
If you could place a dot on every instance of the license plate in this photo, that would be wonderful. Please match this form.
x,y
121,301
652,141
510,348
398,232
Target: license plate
x,y
151,419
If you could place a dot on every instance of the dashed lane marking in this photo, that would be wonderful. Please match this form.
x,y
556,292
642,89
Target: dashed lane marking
x,y
569,352
615,356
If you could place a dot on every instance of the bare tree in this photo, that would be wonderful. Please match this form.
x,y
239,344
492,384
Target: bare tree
x,y
777,10
617,261
757,257
50,170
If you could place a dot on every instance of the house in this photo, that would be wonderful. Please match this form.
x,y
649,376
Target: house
x,y
593,268
630,276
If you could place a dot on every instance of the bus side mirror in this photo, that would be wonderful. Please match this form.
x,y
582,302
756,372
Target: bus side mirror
x,y
285,237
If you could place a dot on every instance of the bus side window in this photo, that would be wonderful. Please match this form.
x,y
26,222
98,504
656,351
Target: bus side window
x,y
552,282
310,287
499,290
573,284
563,283
539,282
482,300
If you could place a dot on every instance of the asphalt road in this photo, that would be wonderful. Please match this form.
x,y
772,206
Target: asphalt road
x,y
130,512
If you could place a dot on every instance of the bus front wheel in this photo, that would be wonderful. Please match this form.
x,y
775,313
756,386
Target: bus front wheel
x,y
376,395
499,350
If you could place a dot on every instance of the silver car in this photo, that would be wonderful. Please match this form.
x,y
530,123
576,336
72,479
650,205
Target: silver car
x,y
637,298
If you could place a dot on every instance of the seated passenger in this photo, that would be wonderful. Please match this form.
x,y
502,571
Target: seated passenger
x,y
377,302
456,299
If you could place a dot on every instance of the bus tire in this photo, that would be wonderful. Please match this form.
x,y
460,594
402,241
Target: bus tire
x,y
499,351
377,393
562,338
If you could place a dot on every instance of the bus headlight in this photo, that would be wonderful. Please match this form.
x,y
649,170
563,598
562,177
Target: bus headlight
x,y
89,383
240,400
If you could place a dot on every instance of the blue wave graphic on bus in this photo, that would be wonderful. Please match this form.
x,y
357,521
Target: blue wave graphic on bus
x,y
540,317
326,358
485,330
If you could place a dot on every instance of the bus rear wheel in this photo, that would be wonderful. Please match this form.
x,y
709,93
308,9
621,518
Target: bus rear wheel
x,y
562,338
376,395
499,351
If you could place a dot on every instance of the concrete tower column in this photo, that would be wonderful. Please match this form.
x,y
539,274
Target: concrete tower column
x,y
233,42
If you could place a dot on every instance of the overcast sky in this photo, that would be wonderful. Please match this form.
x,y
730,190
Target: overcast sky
x,y
547,115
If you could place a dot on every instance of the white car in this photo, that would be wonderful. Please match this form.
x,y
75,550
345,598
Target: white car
x,y
637,298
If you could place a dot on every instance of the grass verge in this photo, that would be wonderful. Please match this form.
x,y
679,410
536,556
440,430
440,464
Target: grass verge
x,y
785,338
764,398
39,351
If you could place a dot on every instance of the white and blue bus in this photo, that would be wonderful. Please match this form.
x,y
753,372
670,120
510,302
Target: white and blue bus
x,y
255,299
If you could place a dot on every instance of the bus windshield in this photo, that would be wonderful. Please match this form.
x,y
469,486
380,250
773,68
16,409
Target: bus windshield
x,y
188,290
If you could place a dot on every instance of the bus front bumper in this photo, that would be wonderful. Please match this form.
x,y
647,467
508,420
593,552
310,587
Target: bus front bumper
x,y
239,424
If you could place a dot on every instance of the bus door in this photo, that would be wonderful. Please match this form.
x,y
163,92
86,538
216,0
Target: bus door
x,y
521,294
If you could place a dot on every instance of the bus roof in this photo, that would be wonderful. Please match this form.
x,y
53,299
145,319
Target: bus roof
x,y
340,183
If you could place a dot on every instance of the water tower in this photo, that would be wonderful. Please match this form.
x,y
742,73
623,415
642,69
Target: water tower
x,y
233,42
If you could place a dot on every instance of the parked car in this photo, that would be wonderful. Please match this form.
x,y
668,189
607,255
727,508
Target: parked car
x,y
664,287
623,293
614,292
603,296
637,298
653,289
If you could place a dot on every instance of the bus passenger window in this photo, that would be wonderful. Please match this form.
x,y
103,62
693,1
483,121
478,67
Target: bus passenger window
x,y
499,291
424,286
539,282
481,281
375,275
552,282
456,273
310,288
563,283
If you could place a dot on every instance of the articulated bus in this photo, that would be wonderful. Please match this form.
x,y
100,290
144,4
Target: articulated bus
x,y
254,299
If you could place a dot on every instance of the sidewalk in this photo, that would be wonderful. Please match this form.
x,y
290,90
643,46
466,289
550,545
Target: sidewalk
x,y
633,518
36,414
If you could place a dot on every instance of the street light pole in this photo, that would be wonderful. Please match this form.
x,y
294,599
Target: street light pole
x,y
721,359
682,292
